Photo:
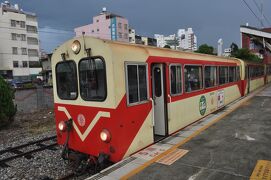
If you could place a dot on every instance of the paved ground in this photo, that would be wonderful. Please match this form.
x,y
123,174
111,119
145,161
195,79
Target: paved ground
x,y
227,150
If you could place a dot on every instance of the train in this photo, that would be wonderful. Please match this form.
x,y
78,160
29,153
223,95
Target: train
x,y
113,99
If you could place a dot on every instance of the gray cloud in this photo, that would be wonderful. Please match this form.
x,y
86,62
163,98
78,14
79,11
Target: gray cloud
x,y
210,19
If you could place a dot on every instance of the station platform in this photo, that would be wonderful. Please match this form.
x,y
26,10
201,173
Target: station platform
x,y
233,143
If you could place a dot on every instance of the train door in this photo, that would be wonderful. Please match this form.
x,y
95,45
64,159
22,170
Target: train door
x,y
159,89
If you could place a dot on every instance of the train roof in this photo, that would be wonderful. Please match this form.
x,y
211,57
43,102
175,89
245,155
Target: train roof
x,y
148,50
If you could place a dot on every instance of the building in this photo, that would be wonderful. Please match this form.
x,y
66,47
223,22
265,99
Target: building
x,y
106,25
19,45
132,35
187,39
227,52
162,41
46,65
257,41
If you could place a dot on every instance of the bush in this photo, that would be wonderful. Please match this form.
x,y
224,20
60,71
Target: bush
x,y
7,107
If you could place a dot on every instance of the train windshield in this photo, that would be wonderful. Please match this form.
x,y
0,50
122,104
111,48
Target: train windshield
x,y
92,76
66,80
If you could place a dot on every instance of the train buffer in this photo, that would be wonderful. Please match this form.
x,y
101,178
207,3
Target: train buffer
x,y
230,144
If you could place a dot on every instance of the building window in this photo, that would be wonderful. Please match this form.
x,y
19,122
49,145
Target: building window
x,y
126,26
33,53
13,36
193,78
15,64
13,23
34,64
66,80
32,41
31,29
136,82
25,64
223,75
22,24
119,25
120,35
98,30
175,79
14,50
97,20
23,37
24,51
92,76
125,36
92,31
210,76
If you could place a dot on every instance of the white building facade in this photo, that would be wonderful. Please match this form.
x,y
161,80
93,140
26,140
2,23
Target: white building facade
x,y
162,40
187,39
19,43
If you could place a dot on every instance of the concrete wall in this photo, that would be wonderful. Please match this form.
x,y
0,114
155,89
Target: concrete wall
x,y
31,100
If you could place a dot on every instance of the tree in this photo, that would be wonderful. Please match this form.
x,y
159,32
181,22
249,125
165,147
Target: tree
x,y
205,49
173,42
234,48
7,107
167,46
245,54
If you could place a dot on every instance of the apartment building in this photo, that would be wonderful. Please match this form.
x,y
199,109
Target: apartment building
x,y
106,25
19,43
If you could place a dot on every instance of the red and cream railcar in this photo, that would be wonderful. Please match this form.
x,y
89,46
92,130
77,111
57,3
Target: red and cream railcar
x,y
253,76
120,98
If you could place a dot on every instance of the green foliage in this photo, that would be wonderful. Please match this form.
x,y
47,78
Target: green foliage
x,y
7,107
205,49
234,48
245,54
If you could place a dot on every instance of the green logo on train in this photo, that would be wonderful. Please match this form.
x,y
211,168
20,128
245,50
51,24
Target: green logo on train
x,y
202,105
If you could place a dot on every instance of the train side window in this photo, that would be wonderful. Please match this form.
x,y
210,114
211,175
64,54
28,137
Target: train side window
x,y
175,79
238,73
210,76
232,74
66,80
193,78
92,75
136,76
223,75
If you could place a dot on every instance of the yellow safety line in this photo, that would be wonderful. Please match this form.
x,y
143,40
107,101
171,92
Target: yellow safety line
x,y
148,163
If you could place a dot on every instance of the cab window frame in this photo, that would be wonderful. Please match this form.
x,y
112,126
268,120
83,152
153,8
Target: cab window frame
x,y
76,79
105,78
182,79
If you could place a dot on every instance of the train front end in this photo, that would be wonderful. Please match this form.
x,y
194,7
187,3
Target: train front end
x,y
83,103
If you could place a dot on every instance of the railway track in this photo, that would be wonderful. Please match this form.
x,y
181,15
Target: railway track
x,y
17,151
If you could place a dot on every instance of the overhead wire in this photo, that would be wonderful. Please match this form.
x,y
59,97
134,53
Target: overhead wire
x,y
247,5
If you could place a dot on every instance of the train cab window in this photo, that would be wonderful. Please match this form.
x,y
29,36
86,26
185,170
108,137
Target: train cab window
x,y
210,76
193,78
66,80
232,74
175,79
92,77
136,77
223,75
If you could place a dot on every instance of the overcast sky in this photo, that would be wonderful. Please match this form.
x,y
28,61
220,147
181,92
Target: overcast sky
x,y
210,19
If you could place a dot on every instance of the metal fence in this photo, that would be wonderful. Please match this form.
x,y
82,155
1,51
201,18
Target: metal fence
x,y
31,100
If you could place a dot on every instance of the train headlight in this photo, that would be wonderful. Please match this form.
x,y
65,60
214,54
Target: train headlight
x,y
105,136
62,126
76,47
